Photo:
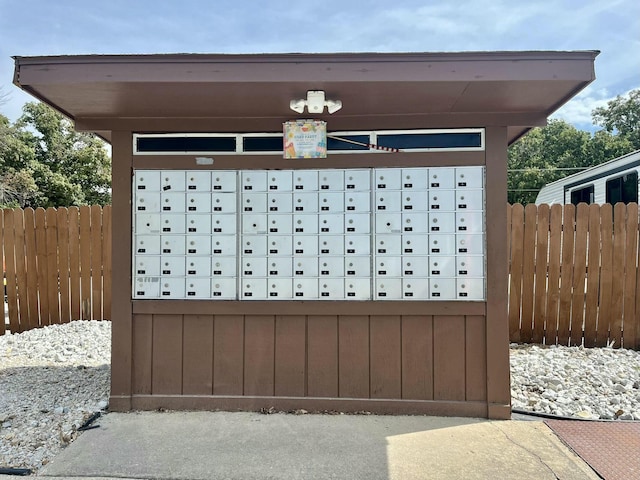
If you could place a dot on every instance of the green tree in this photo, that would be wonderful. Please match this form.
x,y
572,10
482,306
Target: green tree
x,y
621,116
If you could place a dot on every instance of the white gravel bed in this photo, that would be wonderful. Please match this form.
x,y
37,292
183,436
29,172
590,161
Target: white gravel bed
x,y
53,379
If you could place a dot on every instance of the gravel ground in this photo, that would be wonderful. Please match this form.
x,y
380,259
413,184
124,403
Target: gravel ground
x,y
53,379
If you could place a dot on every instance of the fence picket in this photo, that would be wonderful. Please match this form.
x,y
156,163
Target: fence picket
x,y
52,266
606,275
21,271
106,262
579,274
96,262
3,327
10,266
629,309
617,295
74,262
593,273
85,263
63,262
566,281
515,279
542,261
528,272
41,259
553,284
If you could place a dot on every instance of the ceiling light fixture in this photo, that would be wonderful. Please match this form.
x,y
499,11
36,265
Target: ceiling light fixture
x,y
315,103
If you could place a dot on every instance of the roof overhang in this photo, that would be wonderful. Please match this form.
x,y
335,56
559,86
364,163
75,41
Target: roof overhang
x,y
201,92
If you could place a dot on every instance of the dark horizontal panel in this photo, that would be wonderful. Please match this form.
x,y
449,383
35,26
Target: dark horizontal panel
x,y
185,144
408,141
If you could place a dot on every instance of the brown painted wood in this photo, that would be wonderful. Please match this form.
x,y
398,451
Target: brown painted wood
x,y
21,270
353,356
540,298
228,355
566,279
606,275
62,219
629,325
10,266
475,358
259,355
96,262
3,328
167,355
142,354
593,274
32,269
74,261
43,275
85,262
617,291
528,273
52,266
322,356
106,261
290,356
579,273
553,286
449,360
385,343
197,368
417,357
515,277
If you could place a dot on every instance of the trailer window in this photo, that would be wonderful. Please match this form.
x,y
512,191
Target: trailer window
x,y
623,189
582,195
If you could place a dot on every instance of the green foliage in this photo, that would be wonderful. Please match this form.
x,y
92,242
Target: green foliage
x,y
621,116
45,163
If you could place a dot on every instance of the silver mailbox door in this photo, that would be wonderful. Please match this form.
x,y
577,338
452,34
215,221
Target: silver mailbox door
x,y
225,224
470,244
469,200
415,222
388,201
199,245
173,245
172,288
223,181
442,222
280,245
147,181
305,245
147,202
469,177
280,224
389,267
305,202
442,244
357,288
415,266
471,222
305,267
280,288
197,223
198,288
330,180
331,266
305,288
442,288
199,181
415,289
224,266
331,202
441,178
254,267
442,266
279,181
223,288
254,288
224,203
330,245
414,201
255,224
357,223
305,180
305,224
331,223
414,245
415,179
470,266
470,288
389,223
442,200
357,180
254,203
147,266
173,266
388,245
198,267
147,245
357,202
253,181
173,202
280,267
387,179
357,266
223,245
147,287
357,245
173,180
199,203
389,288
254,245
279,202
331,288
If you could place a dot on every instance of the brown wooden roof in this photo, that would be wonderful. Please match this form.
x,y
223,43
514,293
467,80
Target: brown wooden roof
x,y
196,92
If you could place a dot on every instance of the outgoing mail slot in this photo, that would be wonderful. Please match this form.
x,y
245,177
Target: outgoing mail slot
x,y
198,267
388,267
147,266
357,289
279,245
415,289
172,202
223,288
388,201
471,222
198,245
280,288
147,181
305,180
148,223
224,203
199,181
147,202
470,289
305,245
223,224
172,288
331,266
470,244
389,288
254,203
357,266
442,288
470,266
441,200
330,245
413,201
415,266
305,202
414,222
253,288
357,180
469,200
415,179
146,287
305,288
173,223
414,245
173,245
279,203
254,245
305,224
442,266
441,177
330,180
173,181
331,223
253,267
198,288
357,223
223,181
305,267
255,224
388,245
202,224
279,181
357,202
279,267
147,245
442,244
172,266
387,179
280,224
442,222
469,177
199,203
388,223
224,266
331,288
254,181
330,202
357,244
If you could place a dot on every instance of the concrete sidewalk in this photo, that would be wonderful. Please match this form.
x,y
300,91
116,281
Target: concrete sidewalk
x,y
222,445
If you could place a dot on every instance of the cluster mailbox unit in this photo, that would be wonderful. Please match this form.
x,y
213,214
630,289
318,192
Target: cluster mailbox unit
x,y
372,276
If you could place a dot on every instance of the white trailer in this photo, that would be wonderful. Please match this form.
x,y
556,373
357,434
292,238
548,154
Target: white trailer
x,y
610,182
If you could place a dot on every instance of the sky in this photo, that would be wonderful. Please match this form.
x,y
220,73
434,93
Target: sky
x,y
68,27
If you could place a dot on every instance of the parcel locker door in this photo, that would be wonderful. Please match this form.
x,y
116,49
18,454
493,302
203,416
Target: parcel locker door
x,y
254,267
414,201
388,267
331,180
357,288
147,245
147,266
389,222
441,178
469,200
357,266
279,267
280,288
469,177
173,202
173,181
199,181
224,203
470,244
172,287
415,222
388,201
198,267
414,245
279,180
331,288
305,288
223,245
224,266
146,287
330,245
254,202
280,224
442,245
254,245
173,266
306,245
331,266
173,223
331,223
357,180
199,203
305,224
331,202
199,245
305,267
253,181
387,179
415,266
415,289
443,266
280,245
173,245
255,224
470,289
305,202
357,202
389,288
198,288
441,200
357,244
147,181
147,202
415,179
223,288
358,223
253,288
201,223
279,202
388,245
470,266
471,222
305,180
442,222
148,223
223,181
442,288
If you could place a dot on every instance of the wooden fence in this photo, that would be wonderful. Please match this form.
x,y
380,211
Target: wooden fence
x,y
574,274
57,265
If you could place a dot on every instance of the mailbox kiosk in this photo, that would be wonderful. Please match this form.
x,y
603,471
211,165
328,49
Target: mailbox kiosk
x,y
370,274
